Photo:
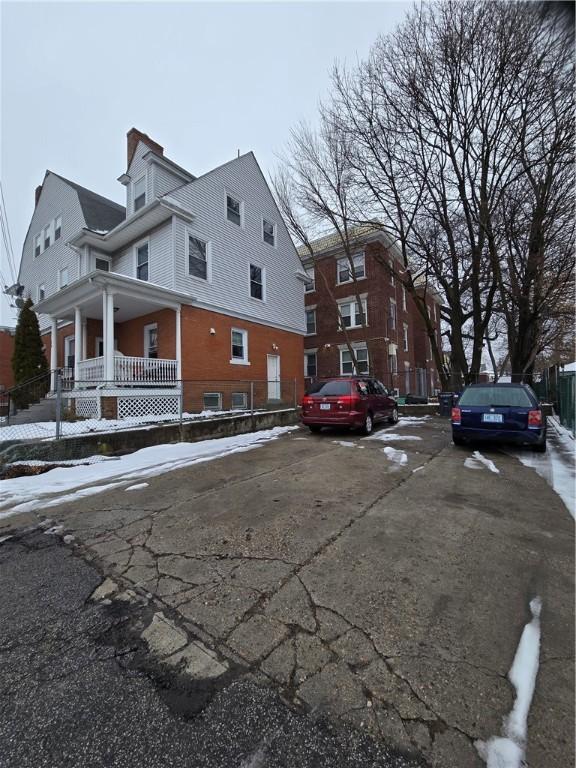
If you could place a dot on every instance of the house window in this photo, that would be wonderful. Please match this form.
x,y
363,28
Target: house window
x,y
345,272
239,401
212,401
41,292
310,284
310,321
47,237
256,282
151,341
57,228
405,337
239,346
63,278
269,232
347,363
37,246
392,359
310,366
351,314
392,277
139,192
233,210
404,298
197,258
103,265
392,315
142,262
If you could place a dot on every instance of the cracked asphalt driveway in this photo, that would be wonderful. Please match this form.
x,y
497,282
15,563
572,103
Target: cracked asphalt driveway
x,y
386,590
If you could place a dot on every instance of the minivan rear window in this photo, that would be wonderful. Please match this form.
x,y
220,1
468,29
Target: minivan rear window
x,y
327,388
516,397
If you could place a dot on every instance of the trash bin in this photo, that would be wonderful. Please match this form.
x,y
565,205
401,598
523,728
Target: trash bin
x,y
446,399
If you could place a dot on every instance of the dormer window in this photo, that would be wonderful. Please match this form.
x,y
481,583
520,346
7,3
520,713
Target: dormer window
x,y
139,192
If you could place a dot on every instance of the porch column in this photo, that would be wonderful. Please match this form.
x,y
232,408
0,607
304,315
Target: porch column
x,y
179,344
84,338
109,339
77,342
53,351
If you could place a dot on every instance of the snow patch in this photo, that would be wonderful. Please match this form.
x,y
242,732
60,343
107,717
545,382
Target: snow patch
x,y
412,420
477,461
508,751
397,457
386,437
137,487
25,494
345,443
418,469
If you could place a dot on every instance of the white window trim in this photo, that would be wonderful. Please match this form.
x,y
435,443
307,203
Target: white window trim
x,y
135,247
263,270
311,309
404,309
236,360
218,395
234,196
395,326
355,347
405,343
245,400
274,232
133,200
308,353
148,327
313,279
41,286
58,216
347,262
67,269
99,257
41,236
50,228
364,302
193,233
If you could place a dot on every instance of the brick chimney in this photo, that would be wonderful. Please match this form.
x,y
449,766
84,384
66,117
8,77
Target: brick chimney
x,y
134,136
37,195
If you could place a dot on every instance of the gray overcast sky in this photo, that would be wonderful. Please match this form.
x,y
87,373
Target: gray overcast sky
x,y
202,79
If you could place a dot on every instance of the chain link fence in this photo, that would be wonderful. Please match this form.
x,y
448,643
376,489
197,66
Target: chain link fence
x,y
55,406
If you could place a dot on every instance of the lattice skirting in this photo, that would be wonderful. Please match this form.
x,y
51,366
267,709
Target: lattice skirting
x,y
88,407
147,406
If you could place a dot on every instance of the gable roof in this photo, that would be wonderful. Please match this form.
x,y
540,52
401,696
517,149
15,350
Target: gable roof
x,y
100,213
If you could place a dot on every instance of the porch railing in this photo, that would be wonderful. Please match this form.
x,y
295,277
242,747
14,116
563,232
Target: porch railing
x,y
130,370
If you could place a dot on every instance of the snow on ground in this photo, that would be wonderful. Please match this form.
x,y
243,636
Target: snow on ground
x,y
507,751
64,462
27,494
477,461
46,430
557,466
137,487
387,437
396,457
345,443
410,420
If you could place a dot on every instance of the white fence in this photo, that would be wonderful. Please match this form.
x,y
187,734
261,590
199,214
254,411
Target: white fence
x,y
129,370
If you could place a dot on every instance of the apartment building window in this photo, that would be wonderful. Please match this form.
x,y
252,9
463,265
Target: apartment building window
x,y
151,341
47,237
139,192
269,232
310,284
41,292
310,322
392,359
63,278
233,210
392,315
352,315
392,276
345,272
103,265
142,261
256,282
310,364
37,246
239,346
239,401
405,336
347,363
197,257
57,228
404,298
212,401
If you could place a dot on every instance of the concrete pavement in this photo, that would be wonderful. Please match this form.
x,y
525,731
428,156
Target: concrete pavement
x,y
380,582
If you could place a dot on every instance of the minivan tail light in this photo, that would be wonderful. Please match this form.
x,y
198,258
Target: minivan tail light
x,y
534,418
456,415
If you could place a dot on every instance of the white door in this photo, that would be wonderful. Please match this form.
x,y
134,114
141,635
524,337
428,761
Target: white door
x,y
69,352
273,377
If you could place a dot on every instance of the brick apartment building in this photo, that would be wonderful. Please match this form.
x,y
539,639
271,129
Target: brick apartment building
x,y
6,352
393,345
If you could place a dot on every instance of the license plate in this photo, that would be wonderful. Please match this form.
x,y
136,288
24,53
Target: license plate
x,y
493,418
324,406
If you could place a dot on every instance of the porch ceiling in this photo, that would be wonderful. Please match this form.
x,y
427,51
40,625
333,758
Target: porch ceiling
x,y
132,298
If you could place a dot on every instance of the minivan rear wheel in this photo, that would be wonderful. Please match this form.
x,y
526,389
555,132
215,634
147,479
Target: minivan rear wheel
x,y
394,416
314,427
368,424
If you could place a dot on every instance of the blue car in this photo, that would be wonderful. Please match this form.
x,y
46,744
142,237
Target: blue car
x,y
500,413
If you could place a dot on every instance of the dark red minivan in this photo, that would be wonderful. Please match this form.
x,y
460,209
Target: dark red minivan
x,y
349,401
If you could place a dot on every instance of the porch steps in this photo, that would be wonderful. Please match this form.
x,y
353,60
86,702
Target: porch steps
x,y
45,410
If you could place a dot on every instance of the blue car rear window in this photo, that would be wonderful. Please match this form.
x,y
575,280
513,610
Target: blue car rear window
x,y
497,396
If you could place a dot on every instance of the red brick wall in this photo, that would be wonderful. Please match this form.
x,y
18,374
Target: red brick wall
x,y
6,351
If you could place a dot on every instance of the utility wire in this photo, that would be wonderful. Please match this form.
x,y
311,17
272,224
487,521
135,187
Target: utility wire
x,y
6,235
6,247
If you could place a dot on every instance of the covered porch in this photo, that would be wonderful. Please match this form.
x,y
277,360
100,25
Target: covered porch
x,y
126,333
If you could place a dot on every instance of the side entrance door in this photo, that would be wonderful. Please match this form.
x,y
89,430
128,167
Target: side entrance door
x,y
273,367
